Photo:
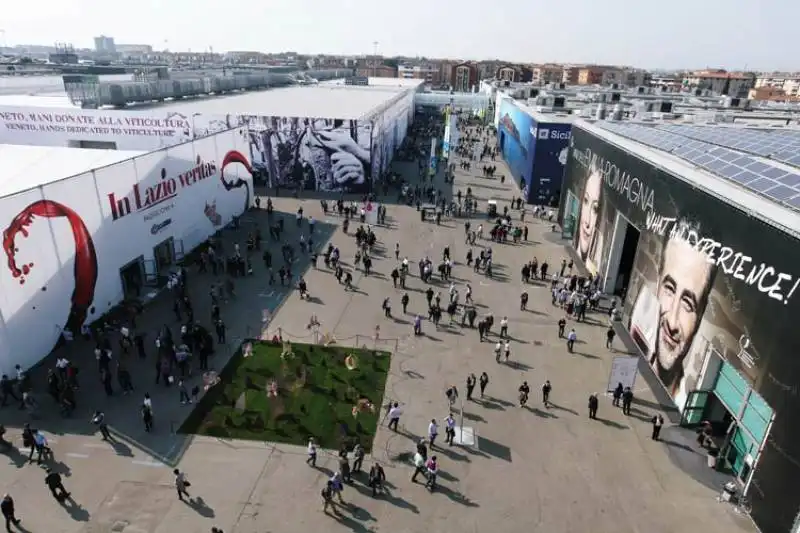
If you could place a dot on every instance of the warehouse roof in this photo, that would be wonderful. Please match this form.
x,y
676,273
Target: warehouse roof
x,y
28,167
323,101
748,168
35,100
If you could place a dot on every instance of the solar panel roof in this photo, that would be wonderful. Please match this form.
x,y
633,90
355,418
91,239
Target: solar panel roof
x,y
736,155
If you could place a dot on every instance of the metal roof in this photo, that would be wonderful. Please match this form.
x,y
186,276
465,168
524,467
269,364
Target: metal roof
x,y
28,167
323,101
725,162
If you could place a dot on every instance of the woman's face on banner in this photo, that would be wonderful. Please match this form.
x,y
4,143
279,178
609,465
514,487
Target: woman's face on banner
x,y
590,211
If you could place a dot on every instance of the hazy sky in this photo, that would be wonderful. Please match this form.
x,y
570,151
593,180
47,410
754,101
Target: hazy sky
x,y
732,34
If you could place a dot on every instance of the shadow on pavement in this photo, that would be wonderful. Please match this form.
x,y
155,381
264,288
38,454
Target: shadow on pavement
x,y
495,449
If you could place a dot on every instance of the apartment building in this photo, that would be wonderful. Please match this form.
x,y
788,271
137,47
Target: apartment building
x,y
720,81
548,73
428,73
377,71
789,83
463,77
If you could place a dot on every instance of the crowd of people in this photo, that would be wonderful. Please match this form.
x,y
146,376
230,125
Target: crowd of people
x,y
174,355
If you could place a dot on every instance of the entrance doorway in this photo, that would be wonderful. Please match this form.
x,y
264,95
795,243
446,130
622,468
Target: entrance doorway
x,y
735,418
629,245
164,254
624,242
133,278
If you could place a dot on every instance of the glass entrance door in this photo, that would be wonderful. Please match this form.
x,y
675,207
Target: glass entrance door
x,y
694,409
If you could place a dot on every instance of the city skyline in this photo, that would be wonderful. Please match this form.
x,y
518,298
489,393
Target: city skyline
x,y
689,35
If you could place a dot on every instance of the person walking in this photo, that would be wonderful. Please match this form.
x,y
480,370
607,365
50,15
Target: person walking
x,y
483,382
658,423
327,497
433,432
627,400
617,395
571,338
312,453
181,484
432,467
419,466
610,334
377,478
394,416
99,420
524,391
449,429
358,458
9,513
593,404
546,388
471,380
562,324
56,485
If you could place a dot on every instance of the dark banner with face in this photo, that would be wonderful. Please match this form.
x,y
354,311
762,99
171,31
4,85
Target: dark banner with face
x,y
706,277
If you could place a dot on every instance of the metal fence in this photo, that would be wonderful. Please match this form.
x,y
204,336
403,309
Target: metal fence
x,y
317,336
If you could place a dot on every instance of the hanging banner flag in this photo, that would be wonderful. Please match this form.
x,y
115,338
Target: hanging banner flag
x,y
453,130
432,165
371,212
447,133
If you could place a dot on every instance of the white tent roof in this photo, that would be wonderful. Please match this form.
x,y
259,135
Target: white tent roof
x,y
27,167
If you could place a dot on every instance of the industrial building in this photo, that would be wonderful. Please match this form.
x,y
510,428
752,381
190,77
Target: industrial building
x,y
695,229
292,130
84,229
519,109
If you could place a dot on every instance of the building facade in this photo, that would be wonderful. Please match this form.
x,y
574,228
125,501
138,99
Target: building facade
x,y
708,296
463,77
721,82
428,73
143,215
788,83
544,74
535,150
105,45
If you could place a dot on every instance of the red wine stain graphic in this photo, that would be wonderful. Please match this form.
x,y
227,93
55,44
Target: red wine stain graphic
x,y
85,255
234,156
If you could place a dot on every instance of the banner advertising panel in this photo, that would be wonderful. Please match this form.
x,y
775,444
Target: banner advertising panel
x,y
433,161
315,154
447,133
68,250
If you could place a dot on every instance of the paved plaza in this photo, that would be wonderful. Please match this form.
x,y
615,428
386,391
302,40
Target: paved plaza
x,y
533,469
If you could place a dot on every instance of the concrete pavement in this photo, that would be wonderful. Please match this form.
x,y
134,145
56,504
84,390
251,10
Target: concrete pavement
x,y
531,469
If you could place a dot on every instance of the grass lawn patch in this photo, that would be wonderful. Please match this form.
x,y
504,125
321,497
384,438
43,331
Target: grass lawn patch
x,y
288,393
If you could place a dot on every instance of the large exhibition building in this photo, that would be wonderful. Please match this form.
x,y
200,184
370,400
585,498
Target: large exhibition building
x,y
695,228
534,146
293,131
97,206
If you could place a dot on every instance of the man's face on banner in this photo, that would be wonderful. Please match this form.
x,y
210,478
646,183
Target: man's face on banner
x,y
682,294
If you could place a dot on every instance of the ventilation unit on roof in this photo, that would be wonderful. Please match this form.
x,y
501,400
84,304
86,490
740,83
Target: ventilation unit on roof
x,y
559,102
617,113
736,103
601,112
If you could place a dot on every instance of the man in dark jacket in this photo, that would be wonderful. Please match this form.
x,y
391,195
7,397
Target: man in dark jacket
x,y
56,485
7,508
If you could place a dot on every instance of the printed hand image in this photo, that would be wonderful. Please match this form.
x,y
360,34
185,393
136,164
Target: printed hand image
x,y
665,324
312,153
